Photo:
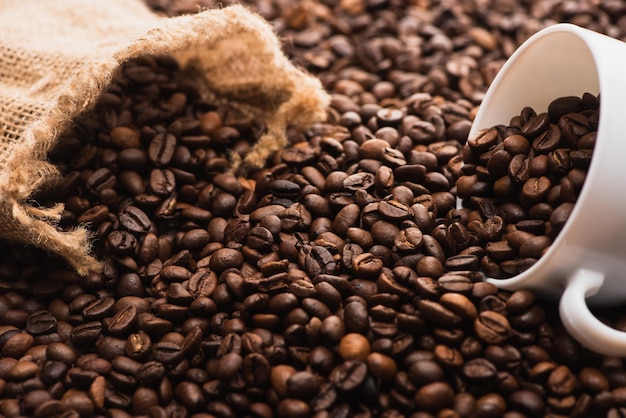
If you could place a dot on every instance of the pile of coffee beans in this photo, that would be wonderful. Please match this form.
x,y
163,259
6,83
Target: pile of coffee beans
x,y
332,282
523,180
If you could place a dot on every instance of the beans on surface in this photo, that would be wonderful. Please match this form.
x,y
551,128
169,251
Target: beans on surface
x,y
341,279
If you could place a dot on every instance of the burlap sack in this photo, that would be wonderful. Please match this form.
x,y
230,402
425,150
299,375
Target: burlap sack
x,y
58,56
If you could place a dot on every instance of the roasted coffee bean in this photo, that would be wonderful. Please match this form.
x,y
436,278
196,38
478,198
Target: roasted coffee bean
x,y
359,181
293,408
347,217
483,140
162,182
518,169
455,283
516,144
409,239
225,258
459,304
498,163
135,220
561,381
548,141
190,395
280,374
100,180
394,210
492,327
527,402
438,314
423,372
434,396
563,105
593,380
536,125
302,385
367,266
560,215
354,346
86,333
123,322
98,309
161,149
349,375
536,189
41,322
356,317
479,369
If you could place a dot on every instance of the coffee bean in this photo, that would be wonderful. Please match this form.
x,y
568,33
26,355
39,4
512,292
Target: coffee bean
x,y
479,369
190,395
225,258
519,170
123,322
134,219
536,189
592,379
423,372
535,247
561,381
293,408
490,404
359,181
161,149
409,239
349,375
347,217
492,327
354,347
162,182
560,215
438,314
356,318
98,309
527,402
563,105
279,376
366,265
86,333
302,385
41,322
535,124
483,140
455,283
434,396
459,304
516,144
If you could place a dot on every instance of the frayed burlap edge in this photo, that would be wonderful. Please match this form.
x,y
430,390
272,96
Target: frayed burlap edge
x,y
294,98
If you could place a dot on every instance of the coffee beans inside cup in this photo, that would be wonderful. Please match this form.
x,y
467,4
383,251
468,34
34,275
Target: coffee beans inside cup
x,y
522,181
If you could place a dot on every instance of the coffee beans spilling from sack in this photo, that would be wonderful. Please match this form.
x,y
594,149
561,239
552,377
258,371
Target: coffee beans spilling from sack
x,y
322,285
523,180
54,65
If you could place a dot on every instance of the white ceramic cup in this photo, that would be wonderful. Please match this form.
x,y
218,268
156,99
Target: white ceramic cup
x,y
588,257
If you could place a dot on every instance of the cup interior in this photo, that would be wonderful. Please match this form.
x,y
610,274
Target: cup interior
x,y
549,65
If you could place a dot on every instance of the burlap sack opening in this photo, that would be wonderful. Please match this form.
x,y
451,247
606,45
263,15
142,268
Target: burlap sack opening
x,y
57,57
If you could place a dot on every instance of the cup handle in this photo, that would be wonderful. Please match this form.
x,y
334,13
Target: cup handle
x,y
581,323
